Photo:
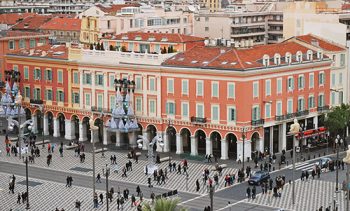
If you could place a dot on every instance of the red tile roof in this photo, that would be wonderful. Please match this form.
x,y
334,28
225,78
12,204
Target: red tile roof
x,y
13,18
63,24
233,58
322,43
345,7
11,34
114,8
45,51
32,23
157,37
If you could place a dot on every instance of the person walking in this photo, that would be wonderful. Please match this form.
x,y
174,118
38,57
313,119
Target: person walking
x,y
133,200
95,200
19,198
70,181
67,181
253,192
101,198
306,175
248,193
197,185
61,151
98,178
138,190
313,173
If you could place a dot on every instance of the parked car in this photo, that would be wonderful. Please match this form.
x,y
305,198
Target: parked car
x,y
323,162
258,177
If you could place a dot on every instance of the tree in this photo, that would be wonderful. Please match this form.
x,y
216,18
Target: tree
x,y
164,205
338,119
123,48
91,47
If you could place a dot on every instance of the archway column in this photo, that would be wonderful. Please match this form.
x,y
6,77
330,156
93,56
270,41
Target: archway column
x,y
179,144
69,129
56,127
224,149
208,146
132,139
146,140
35,124
194,146
284,135
117,139
94,136
160,149
105,136
166,142
82,131
46,125
247,149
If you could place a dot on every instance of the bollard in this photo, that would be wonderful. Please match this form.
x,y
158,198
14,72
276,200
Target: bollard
x,y
273,168
304,159
308,157
319,154
324,153
314,156
287,162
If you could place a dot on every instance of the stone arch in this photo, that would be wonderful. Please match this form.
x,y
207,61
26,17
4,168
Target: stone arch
x,y
171,136
201,136
99,123
39,117
215,138
232,139
254,139
49,115
185,134
28,113
75,124
152,132
61,122
86,127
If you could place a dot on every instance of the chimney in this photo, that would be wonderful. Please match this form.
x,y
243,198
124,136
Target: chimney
x,y
314,42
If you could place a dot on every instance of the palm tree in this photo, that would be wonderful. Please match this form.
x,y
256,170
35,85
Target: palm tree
x,y
338,119
163,205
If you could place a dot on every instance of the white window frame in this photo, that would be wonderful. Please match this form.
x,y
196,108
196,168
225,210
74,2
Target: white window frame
x,y
311,82
268,87
212,113
153,114
233,86
323,78
170,86
152,88
279,86
313,102
267,110
290,109
199,82
138,111
185,117
290,86
168,102
301,79
256,93
200,104
215,83
279,103
138,86
183,91
229,114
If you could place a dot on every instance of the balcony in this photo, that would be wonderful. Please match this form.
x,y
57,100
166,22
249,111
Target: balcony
x,y
280,118
290,115
258,122
323,108
240,24
36,102
198,120
302,113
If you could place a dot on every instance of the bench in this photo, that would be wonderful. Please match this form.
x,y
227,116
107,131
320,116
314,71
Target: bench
x,y
71,146
222,166
138,154
41,142
100,150
165,159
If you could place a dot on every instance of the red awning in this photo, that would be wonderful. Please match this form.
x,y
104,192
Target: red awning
x,y
322,129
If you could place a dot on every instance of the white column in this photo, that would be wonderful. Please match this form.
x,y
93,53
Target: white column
x,y
46,125
194,146
224,149
69,130
247,149
146,140
284,136
159,97
179,144
160,149
82,131
93,93
166,142
208,146
117,139
144,98
239,149
81,88
105,91
271,139
132,139
56,127
105,136
35,124
316,122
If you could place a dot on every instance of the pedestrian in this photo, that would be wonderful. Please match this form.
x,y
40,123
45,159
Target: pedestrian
x,y
23,197
101,198
197,185
302,175
174,166
253,192
138,190
61,151
239,159
306,175
133,200
152,197
130,165
141,196
124,172
313,173
95,200
70,181
179,169
67,181
19,198
98,178
248,193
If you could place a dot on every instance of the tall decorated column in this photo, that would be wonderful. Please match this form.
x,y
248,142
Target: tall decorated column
x,y
194,146
56,127
179,144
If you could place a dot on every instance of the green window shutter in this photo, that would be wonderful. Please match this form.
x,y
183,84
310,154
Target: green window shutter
x,y
167,108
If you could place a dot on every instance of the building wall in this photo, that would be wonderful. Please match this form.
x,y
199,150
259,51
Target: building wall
x,y
209,27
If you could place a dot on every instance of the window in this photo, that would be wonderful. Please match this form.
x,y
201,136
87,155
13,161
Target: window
x,y
231,111
11,44
152,84
170,108
88,99
139,104
60,96
301,82
199,88
99,79
267,110
215,89
48,94
256,113
48,75
290,106
75,77
200,110
15,68
138,83
170,85
267,87
342,60
184,87
184,109
111,80
279,108
37,74
43,40
60,76
255,89
301,104
100,101
75,97
311,102
32,43
320,100
279,85
206,19
206,29
290,84
111,102
311,80
321,79
27,92
333,79
215,113
131,47
340,78
333,98
231,90
22,43
152,106
26,72
37,95
341,97
87,78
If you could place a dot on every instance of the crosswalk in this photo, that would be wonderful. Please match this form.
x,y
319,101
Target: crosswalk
x,y
303,166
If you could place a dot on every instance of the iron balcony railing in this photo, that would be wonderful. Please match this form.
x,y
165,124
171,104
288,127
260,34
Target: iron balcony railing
x,y
198,120
258,122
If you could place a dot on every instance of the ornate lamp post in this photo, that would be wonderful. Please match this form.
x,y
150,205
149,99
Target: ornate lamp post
x,y
106,173
244,131
347,161
338,141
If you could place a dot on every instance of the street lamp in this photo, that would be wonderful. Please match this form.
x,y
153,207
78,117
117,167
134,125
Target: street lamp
x,y
347,161
107,172
27,185
338,141
93,129
244,131
211,194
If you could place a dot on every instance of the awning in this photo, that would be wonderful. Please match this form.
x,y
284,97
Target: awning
x,y
314,132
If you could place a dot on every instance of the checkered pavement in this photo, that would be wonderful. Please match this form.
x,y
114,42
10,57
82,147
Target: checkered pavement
x,y
175,181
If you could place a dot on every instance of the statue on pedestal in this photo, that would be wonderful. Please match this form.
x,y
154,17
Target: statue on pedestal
x,y
347,158
294,128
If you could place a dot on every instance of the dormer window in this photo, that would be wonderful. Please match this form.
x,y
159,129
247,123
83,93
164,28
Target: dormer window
x,y
164,39
151,39
138,38
309,55
125,37
266,60
288,58
299,56
277,59
319,55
